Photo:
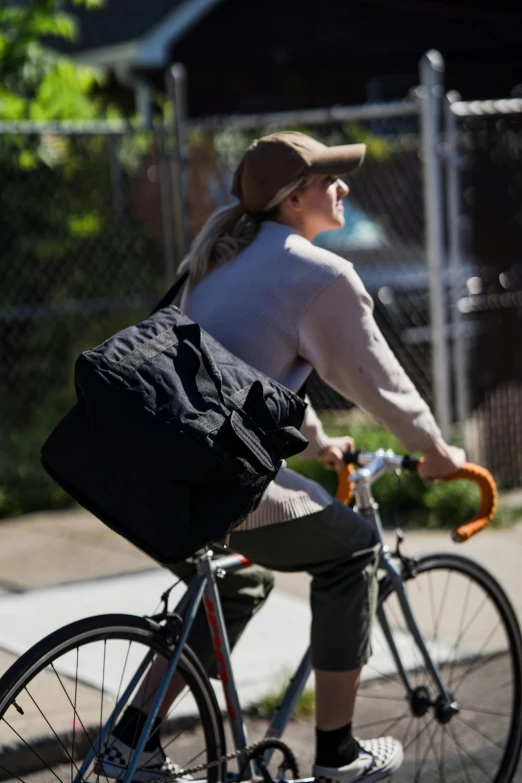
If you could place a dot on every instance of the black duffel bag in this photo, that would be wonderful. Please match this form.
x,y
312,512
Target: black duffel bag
x,y
173,439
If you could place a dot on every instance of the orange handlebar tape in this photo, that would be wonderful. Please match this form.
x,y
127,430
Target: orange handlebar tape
x,y
468,472
488,500
344,487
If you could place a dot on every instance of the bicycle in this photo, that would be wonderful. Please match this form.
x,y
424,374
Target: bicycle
x,y
451,692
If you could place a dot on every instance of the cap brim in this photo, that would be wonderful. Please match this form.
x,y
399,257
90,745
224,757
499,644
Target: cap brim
x,y
338,160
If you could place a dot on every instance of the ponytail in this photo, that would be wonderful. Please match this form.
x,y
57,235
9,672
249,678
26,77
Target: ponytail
x,y
222,237
229,231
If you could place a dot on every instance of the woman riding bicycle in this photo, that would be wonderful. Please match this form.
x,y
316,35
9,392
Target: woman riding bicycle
x,y
260,287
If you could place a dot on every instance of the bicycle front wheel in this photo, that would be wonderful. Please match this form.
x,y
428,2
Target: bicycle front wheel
x,y
58,700
473,636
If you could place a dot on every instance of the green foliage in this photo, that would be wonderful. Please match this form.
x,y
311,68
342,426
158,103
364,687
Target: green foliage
x,y
64,250
268,704
36,83
26,486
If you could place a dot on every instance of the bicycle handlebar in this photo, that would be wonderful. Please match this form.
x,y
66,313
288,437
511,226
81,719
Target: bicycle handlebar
x,y
488,500
470,472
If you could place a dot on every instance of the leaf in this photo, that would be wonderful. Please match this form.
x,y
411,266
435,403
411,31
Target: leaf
x,y
27,160
59,24
12,107
64,94
87,225
91,4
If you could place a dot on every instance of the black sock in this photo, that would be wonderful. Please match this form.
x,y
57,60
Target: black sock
x,y
130,726
336,748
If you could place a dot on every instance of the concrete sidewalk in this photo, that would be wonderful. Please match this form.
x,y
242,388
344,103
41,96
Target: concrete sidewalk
x,y
57,567
54,548
50,549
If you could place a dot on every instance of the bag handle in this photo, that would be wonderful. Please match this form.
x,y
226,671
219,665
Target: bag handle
x,y
172,293
192,333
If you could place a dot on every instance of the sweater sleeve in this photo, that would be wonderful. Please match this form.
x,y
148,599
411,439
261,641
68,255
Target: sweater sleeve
x,y
313,431
339,337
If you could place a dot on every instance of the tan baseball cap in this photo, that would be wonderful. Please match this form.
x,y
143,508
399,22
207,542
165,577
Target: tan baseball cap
x,y
273,161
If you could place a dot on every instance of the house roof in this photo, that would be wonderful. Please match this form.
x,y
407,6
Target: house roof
x,y
132,32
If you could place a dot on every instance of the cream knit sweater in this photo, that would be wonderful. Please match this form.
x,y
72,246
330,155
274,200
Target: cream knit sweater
x,y
286,306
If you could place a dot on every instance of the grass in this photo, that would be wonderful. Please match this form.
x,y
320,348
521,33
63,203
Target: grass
x,y
268,704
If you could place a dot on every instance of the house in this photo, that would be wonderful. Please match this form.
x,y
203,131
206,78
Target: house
x,y
245,56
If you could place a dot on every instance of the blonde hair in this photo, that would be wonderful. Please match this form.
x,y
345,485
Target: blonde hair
x,y
228,231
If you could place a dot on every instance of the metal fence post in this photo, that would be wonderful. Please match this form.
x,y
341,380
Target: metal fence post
x,y
176,81
431,95
460,364
118,197
167,209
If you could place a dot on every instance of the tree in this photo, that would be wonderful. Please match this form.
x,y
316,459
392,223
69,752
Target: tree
x,y
74,267
35,82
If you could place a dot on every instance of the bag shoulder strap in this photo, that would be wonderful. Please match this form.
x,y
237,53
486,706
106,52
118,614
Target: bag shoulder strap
x,y
172,293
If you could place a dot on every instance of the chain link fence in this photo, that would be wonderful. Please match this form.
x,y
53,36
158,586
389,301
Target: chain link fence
x,y
81,256
88,237
489,135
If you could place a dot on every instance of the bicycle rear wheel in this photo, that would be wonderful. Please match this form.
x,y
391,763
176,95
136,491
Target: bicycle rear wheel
x,y
473,635
56,698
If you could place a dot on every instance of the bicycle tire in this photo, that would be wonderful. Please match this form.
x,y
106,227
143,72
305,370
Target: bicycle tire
x,y
440,752
42,668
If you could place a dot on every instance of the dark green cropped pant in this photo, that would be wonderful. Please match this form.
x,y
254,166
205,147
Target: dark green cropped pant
x,y
338,549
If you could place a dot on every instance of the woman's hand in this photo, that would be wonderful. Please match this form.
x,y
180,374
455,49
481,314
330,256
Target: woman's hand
x,y
333,453
441,460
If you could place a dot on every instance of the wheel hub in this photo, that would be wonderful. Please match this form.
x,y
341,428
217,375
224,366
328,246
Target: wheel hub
x,y
445,710
420,701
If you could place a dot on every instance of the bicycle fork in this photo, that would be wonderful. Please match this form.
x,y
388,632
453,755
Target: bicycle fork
x,y
367,507
445,700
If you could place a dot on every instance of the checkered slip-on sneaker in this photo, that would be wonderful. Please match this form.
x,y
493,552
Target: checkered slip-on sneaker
x,y
115,757
377,759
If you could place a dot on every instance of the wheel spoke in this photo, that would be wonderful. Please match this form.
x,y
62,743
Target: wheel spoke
x,y
86,733
408,729
362,695
102,691
459,753
467,708
52,730
477,664
442,602
383,675
383,720
415,736
30,747
460,633
395,721
11,774
113,717
194,758
74,708
475,762
428,748
442,754
480,733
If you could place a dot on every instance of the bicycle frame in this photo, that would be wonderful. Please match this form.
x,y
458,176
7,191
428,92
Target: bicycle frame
x,y
204,589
